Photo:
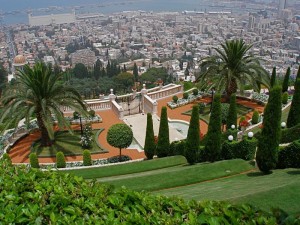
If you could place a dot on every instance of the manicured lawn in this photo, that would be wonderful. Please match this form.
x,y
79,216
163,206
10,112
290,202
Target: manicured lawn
x,y
67,143
279,189
180,176
129,168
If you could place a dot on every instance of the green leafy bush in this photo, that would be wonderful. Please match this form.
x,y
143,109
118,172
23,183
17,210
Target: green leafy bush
x,y
87,159
92,113
35,197
228,132
255,117
289,135
177,148
285,98
75,115
201,107
60,160
6,158
195,92
34,162
116,159
224,112
246,148
175,98
229,149
185,95
289,157
87,136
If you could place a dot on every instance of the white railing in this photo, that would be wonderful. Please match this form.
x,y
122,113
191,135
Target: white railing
x,y
117,109
95,105
166,92
150,105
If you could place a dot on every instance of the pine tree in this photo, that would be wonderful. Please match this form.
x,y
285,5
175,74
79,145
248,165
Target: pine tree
x,y
298,74
193,137
108,69
214,134
267,150
294,114
273,77
97,69
285,84
232,113
150,145
163,142
135,72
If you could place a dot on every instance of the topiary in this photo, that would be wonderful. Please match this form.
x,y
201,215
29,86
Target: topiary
x,y
75,115
294,116
246,148
92,113
229,149
87,159
255,117
34,162
150,145
289,156
193,137
6,158
163,142
185,95
285,98
201,107
285,84
175,98
195,92
232,113
60,160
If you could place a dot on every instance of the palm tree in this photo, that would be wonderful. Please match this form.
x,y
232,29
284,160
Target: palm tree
x,y
40,94
232,68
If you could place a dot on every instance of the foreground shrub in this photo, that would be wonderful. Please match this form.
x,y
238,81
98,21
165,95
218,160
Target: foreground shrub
x,y
116,159
289,157
285,98
150,146
87,159
255,117
229,149
246,148
60,160
6,158
177,148
33,159
65,199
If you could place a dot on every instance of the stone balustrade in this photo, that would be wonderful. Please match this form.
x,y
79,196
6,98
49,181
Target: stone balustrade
x,y
166,92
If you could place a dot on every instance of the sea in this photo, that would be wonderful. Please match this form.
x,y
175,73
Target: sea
x,y
16,11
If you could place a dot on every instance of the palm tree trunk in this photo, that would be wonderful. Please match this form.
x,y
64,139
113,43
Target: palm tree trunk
x,y
231,89
45,139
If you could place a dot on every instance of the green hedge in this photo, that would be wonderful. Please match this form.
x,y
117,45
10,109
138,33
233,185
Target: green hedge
x,y
285,98
289,135
6,158
289,157
60,160
87,159
185,95
34,162
228,149
177,148
228,132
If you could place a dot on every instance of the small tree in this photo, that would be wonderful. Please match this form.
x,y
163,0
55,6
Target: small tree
x,y
193,137
34,162
185,95
285,98
285,84
195,91
135,72
267,151
294,114
163,143
150,145
201,107
175,98
119,136
214,134
232,113
87,159
60,160
273,77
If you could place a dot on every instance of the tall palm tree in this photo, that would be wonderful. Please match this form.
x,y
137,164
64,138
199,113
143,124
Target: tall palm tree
x,y
232,68
40,94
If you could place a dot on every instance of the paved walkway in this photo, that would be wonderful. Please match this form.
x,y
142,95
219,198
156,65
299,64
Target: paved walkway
x,y
19,153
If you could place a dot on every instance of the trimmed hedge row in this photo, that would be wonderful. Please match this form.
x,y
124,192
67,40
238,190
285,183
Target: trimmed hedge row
x,y
244,149
289,157
289,135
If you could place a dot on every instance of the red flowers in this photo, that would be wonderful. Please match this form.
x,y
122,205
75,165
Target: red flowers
x,y
244,123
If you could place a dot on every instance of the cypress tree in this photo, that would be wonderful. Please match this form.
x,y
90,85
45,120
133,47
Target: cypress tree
x,y
150,146
232,113
214,134
135,73
298,74
267,151
294,114
97,69
285,84
193,137
273,77
163,142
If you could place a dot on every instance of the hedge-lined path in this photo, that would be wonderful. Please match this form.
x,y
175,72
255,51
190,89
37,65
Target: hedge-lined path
x,y
19,153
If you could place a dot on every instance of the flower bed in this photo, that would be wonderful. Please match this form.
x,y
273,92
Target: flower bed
x,y
260,97
182,101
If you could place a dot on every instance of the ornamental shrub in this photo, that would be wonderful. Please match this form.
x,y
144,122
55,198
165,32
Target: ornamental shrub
x,y
232,113
60,160
228,132
229,149
289,135
33,159
214,134
193,137
201,107
273,77
246,148
224,112
285,98
195,91
87,159
294,115
150,145
289,156
163,142
180,147
185,95
92,113
76,115
267,151
175,98
255,117
285,84
87,137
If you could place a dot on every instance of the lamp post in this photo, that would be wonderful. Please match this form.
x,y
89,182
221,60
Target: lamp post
x,y
250,135
230,138
283,125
